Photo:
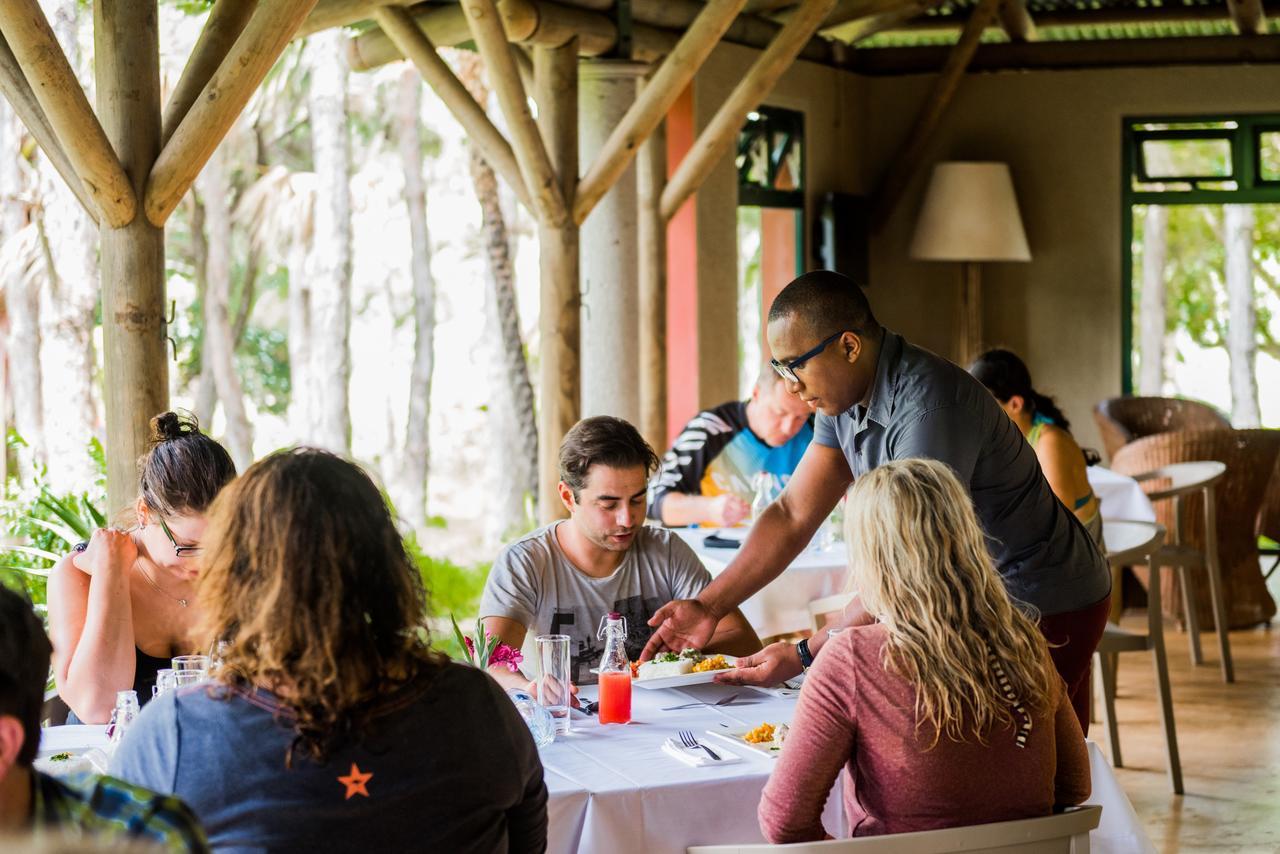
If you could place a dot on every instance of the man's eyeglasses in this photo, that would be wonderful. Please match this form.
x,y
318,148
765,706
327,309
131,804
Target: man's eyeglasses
x,y
787,370
180,551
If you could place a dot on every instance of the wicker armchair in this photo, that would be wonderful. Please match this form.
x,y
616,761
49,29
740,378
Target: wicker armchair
x,y
1121,420
1250,457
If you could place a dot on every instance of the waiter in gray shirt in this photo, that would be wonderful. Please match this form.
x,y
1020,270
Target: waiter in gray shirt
x,y
878,398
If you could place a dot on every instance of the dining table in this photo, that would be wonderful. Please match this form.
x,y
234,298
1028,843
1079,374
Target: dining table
x,y
781,607
613,787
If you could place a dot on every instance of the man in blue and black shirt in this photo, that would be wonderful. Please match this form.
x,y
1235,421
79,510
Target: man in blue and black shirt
x,y
708,477
98,808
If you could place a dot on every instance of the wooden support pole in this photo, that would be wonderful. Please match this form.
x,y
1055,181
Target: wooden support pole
x,y
64,104
855,31
260,44
490,142
649,109
227,19
1248,17
913,150
559,320
17,91
535,164
1017,21
719,134
341,13
651,176
135,351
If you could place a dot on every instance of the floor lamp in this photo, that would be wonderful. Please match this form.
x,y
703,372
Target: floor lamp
x,y
970,215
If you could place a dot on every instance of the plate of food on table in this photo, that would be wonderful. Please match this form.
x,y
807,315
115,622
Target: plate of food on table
x,y
766,739
679,669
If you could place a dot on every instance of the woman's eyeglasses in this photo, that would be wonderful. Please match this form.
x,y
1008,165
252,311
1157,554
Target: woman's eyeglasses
x,y
180,551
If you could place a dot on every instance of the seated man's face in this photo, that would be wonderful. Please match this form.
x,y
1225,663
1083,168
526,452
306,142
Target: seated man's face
x,y
779,414
610,507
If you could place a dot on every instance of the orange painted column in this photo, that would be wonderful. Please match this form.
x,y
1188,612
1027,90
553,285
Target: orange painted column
x,y
778,255
682,280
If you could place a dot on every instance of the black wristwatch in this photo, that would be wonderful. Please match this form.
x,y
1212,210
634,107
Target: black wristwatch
x,y
806,657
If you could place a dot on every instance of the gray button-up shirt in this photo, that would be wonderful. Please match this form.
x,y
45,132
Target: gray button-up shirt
x,y
924,406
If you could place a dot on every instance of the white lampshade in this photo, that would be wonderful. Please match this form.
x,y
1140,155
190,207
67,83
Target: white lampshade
x,y
970,214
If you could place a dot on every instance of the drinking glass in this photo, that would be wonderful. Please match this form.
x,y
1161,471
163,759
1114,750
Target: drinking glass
x,y
190,669
554,677
165,681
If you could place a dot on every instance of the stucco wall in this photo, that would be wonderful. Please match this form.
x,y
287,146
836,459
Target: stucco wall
x,y
1060,132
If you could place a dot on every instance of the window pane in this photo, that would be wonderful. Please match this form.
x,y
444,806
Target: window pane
x,y
1269,155
1189,158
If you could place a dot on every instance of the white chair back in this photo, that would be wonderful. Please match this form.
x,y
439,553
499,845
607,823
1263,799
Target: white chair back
x,y
1065,833
819,608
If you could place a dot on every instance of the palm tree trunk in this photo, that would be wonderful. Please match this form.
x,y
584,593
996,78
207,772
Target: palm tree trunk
x,y
513,418
1151,312
206,396
219,351
1242,344
18,249
67,309
417,441
331,284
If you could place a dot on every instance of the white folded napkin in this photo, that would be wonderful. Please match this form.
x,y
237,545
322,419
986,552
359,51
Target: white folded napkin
x,y
696,756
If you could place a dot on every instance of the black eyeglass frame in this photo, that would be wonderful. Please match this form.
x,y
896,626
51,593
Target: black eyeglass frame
x,y
787,370
179,551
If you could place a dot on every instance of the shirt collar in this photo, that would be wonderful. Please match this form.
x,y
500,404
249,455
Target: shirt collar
x,y
878,407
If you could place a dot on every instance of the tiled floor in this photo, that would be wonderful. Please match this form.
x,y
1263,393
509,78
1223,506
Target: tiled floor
x,y
1229,737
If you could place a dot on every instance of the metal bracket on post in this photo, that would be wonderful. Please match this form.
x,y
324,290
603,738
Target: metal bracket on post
x,y
621,14
168,321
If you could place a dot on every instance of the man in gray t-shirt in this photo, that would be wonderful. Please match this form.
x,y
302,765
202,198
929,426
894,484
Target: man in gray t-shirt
x,y
563,578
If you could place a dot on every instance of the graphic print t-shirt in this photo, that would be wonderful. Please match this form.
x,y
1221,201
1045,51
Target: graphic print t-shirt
x,y
534,583
717,452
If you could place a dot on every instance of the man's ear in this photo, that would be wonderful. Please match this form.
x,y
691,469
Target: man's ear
x,y
851,342
566,496
142,511
13,736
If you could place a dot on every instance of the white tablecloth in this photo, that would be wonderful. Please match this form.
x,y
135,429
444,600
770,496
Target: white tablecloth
x,y
783,605
613,789
1120,497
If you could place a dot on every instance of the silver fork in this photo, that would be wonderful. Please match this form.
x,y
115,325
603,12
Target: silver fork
x,y
687,739
722,702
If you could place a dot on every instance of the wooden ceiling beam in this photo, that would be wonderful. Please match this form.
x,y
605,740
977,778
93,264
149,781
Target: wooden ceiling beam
x,y
653,102
852,32
226,21
1114,53
342,13
1248,16
220,103
912,152
66,109
17,91
540,176
719,134
489,141
1110,16
1017,22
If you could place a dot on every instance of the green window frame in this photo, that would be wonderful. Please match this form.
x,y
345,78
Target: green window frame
x,y
1245,134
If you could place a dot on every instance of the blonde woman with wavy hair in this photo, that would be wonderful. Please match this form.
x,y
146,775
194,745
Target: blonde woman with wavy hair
x,y
951,686
330,725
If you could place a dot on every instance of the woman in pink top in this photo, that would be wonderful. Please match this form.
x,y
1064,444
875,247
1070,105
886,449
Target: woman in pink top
x,y
947,711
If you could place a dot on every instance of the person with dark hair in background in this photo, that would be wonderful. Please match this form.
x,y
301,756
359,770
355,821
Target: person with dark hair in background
x,y
124,603
708,476
879,399
330,724
98,809
563,577
1063,462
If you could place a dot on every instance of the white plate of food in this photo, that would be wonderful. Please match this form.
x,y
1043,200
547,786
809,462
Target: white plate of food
x,y
678,670
764,740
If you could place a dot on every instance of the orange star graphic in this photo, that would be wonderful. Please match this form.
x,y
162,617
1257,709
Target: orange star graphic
x,y
356,782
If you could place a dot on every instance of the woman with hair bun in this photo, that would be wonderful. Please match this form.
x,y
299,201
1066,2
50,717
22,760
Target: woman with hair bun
x,y
124,603
1048,432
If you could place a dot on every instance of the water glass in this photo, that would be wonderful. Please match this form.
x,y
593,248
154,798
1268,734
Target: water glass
x,y
165,681
554,678
190,669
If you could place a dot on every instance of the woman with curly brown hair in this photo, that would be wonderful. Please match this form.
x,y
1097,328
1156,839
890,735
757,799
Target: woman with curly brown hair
x,y
330,725
123,604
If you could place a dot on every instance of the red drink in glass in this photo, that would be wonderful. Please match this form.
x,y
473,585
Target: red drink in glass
x,y
615,697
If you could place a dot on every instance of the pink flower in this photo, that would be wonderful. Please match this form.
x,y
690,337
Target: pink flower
x,y
471,646
503,654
